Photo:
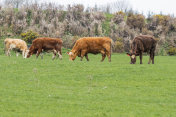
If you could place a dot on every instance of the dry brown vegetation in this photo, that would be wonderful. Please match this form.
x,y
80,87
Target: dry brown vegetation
x,y
74,22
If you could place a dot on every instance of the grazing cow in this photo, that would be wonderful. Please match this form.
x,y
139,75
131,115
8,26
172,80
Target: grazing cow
x,y
46,44
140,44
17,45
92,45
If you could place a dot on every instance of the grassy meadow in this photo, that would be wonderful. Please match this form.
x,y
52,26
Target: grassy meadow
x,y
61,88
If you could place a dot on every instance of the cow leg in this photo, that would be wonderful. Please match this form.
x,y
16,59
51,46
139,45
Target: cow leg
x,y
24,53
153,55
140,57
107,50
54,56
109,56
8,52
10,49
103,57
83,53
81,58
17,54
60,56
87,57
38,52
41,55
150,58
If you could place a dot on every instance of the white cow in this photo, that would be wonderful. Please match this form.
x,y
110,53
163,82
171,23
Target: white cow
x,y
17,45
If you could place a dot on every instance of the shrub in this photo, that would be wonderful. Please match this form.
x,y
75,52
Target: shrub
x,y
172,51
29,16
106,24
69,41
119,17
119,47
29,36
145,31
162,19
136,21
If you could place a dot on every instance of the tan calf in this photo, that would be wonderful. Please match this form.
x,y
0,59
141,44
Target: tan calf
x,y
16,45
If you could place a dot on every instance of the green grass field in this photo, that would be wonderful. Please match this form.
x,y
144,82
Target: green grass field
x,y
61,88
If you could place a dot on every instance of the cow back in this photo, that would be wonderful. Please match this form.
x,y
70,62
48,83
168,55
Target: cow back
x,y
143,43
91,44
46,43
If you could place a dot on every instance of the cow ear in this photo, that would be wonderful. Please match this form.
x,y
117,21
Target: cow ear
x,y
128,54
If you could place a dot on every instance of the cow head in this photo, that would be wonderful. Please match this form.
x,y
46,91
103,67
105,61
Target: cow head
x,y
72,56
30,53
133,58
26,53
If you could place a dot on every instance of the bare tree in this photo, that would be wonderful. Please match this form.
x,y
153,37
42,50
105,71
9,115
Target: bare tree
x,y
14,3
108,9
121,5
18,3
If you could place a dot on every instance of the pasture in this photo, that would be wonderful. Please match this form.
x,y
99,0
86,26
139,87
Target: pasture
x,y
61,88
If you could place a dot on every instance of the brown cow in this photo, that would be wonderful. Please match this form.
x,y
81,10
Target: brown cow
x,y
140,44
46,44
93,45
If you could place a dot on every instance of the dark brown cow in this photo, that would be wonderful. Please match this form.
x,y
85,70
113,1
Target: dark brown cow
x,y
46,44
92,45
140,44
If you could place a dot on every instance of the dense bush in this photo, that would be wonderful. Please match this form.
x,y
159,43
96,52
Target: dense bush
x,y
119,47
119,17
136,21
161,24
172,51
29,36
162,19
69,41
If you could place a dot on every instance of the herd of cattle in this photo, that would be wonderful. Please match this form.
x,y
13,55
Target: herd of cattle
x,y
82,47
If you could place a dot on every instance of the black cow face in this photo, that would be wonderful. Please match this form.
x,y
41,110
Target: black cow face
x,y
133,58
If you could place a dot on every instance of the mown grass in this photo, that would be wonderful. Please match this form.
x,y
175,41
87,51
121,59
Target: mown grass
x,y
60,88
